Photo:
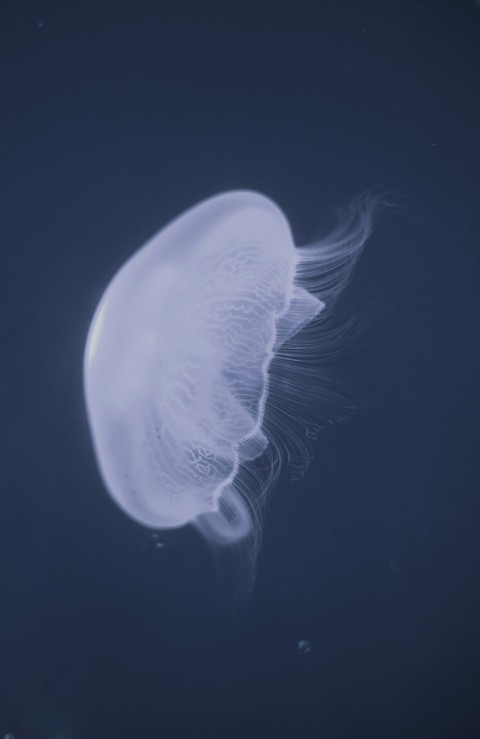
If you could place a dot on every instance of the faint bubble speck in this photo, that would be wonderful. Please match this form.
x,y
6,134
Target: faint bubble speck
x,y
9,736
304,646
156,541
40,24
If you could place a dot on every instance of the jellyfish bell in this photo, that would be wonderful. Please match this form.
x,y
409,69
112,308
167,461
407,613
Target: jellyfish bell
x,y
199,362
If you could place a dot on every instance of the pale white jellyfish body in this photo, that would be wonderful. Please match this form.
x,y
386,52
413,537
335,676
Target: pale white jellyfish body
x,y
184,377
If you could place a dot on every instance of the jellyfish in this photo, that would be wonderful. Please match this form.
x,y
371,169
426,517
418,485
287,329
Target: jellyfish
x,y
201,363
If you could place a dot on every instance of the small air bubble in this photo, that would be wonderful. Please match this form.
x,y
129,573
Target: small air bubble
x,y
304,646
